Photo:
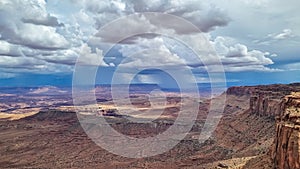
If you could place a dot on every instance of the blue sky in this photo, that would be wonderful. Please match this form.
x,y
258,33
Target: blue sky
x,y
257,42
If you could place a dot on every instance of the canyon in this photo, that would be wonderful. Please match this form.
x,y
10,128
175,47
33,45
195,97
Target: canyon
x,y
259,129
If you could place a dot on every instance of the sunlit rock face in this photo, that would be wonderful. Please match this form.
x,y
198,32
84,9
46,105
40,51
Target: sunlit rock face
x,y
265,100
286,150
266,104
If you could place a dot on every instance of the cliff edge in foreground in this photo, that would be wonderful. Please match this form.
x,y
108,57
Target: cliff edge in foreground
x,y
286,150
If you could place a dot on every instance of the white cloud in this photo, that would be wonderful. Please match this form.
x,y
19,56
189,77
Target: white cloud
x,y
156,53
258,68
40,37
130,26
237,50
201,79
65,57
148,79
285,34
205,16
20,62
25,64
33,38
150,54
70,56
237,57
28,23
273,55
85,22
9,49
87,57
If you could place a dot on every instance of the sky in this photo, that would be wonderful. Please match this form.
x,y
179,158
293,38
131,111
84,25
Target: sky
x,y
248,41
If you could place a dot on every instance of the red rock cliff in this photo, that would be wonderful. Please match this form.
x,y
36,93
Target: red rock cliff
x,y
265,100
286,150
265,103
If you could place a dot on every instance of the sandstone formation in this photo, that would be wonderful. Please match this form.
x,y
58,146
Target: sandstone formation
x,y
276,103
265,100
286,151
266,104
55,139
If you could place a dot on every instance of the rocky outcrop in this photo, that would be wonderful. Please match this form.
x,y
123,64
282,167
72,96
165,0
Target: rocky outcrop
x,y
274,90
286,150
280,103
265,100
266,104
240,90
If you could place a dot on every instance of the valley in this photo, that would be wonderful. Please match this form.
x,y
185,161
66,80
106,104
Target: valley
x,y
256,122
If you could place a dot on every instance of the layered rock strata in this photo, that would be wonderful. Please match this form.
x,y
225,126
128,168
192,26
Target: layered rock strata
x,y
286,150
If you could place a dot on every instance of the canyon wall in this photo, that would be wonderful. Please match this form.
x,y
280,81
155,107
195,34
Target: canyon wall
x,y
265,103
282,104
265,100
286,150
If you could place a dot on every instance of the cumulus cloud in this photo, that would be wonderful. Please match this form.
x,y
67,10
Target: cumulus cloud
x,y
206,20
236,51
130,27
34,38
156,53
35,12
35,32
204,16
70,56
20,62
150,53
160,52
46,21
66,57
87,57
39,37
28,23
148,79
237,57
23,64
9,49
